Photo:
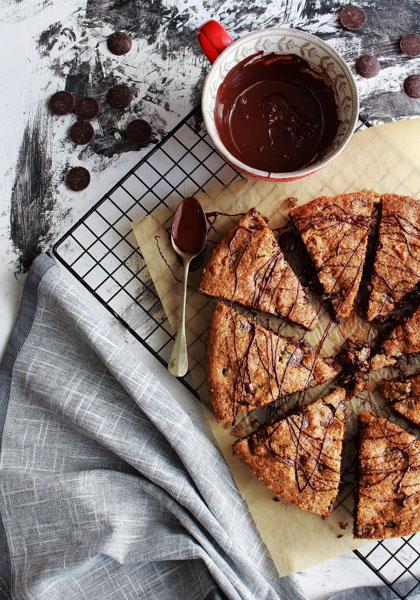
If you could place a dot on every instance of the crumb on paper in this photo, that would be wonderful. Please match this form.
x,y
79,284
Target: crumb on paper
x,y
342,524
275,499
340,535
291,202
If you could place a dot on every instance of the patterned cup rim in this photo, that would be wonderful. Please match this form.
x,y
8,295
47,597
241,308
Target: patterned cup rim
x,y
207,103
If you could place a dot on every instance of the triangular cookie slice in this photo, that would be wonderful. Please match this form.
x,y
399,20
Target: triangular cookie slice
x,y
249,366
403,341
404,395
389,480
335,231
299,458
396,270
248,267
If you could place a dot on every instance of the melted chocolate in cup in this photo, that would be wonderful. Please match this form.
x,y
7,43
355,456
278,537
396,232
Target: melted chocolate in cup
x,y
275,114
189,227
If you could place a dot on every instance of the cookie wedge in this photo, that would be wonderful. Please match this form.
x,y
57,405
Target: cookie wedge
x,y
402,342
299,457
248,267
335,231
396,270
404,396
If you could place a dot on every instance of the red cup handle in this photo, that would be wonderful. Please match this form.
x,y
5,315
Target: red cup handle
x,y
213,39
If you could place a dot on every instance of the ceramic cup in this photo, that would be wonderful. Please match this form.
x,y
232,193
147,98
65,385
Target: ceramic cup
x,y
224,54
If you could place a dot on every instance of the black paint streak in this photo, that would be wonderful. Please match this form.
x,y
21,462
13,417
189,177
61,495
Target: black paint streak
x,y
150,20
55,35
32,200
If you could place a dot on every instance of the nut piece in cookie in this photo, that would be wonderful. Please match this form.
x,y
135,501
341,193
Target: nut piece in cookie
x,y
248,267
299,457
389,480
249,366
335,231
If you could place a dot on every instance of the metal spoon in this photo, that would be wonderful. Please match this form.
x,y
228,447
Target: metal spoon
x,y
188,238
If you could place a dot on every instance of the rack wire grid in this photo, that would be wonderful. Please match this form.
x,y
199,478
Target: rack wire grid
x,y
100,250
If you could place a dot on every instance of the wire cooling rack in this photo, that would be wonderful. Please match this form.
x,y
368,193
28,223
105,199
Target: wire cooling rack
x,y
100,250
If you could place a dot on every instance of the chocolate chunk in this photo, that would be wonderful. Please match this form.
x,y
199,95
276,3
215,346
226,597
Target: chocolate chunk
x,y
81,132
119,43
86,108
249,388
77,179
412,86
138,131
352,17
61,103
368,66
119,96
410,44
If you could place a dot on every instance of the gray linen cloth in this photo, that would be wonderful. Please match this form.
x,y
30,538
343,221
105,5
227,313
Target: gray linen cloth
x,y
111,488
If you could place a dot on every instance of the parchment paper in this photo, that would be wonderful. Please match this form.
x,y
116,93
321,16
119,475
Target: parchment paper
x,y
385,159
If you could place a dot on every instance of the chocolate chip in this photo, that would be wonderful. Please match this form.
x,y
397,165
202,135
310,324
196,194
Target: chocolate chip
x,y
410,44
368,66
249,388
412,86
61,103
119,43
119,96
225,371
86,108
77,179
352,17
81,132
390,524
138,131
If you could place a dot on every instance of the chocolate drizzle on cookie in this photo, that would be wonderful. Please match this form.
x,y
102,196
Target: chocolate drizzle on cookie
x,y
389,480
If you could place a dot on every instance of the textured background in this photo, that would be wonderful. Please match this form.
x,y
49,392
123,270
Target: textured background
x,y
48,45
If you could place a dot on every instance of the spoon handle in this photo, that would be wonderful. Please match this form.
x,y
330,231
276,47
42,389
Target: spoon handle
x,y
178,363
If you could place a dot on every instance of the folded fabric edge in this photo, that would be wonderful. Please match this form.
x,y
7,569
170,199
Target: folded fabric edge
x,y
17,338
